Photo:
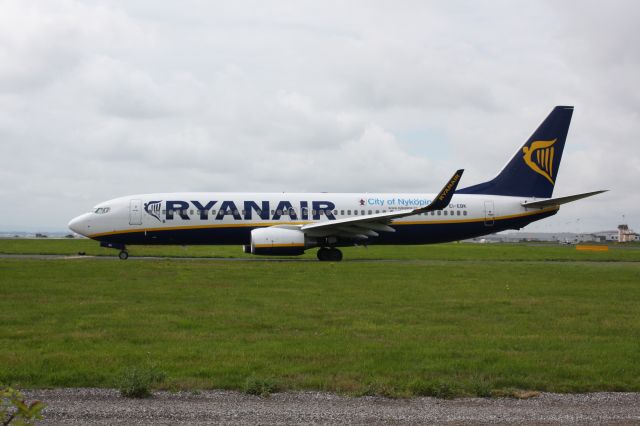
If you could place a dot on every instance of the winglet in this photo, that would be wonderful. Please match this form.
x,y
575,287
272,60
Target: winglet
x,y
443,198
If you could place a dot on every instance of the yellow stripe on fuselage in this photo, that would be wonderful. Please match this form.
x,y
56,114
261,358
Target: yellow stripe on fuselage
x,y
478,219
277,245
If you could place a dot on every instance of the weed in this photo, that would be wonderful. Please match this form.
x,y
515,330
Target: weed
x,y
438,389
13,408
525,394
481,388
378,388
260,387
136,382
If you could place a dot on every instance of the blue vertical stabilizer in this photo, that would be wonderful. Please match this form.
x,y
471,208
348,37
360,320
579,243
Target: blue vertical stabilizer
x,y
533,169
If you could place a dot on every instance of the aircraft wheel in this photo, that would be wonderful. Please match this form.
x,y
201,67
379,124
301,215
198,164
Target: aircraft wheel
x,y
335,255
123,255
323,254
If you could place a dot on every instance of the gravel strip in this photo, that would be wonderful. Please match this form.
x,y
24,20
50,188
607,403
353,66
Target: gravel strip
x,y
107,407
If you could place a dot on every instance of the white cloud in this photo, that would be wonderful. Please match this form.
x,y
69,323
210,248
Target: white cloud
x,y
101,99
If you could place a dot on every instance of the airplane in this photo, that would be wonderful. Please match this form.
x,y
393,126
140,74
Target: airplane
x,y
290,223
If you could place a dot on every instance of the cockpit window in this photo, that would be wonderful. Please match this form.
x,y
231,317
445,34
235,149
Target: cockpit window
x,y
102,210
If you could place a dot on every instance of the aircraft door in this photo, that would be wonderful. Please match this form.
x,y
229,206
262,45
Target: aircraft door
x,y
489,213
135,212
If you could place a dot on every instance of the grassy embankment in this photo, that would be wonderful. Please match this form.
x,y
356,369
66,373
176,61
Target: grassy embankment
x,y
460,319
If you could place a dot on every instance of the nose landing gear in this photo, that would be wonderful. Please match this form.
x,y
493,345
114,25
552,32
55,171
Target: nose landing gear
x,y
330,254
124,254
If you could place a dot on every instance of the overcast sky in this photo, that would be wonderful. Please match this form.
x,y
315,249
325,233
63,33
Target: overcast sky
x,y
104,99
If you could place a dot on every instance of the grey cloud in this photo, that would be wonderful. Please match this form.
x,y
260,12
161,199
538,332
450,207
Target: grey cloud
x,y
259,96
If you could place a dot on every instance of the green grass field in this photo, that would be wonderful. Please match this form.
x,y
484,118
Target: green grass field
x,y
455,252
459,319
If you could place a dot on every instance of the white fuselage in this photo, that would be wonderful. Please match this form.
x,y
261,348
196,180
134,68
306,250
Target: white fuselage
x,y
227,218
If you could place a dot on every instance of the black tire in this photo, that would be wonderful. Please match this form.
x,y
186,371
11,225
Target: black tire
x,y
323,254
123,255
335,255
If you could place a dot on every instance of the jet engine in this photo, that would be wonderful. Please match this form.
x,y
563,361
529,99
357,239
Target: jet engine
x,y
275,240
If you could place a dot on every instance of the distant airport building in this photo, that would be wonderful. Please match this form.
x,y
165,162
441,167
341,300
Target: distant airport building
x,y
607,236
623,234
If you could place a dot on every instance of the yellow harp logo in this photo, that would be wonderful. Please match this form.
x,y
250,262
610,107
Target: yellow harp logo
x,y
542,161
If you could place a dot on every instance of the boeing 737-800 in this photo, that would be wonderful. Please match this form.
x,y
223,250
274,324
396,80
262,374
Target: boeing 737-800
x,y
290,223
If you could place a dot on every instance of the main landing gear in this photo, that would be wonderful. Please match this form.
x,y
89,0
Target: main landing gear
x,y
330,254
123,255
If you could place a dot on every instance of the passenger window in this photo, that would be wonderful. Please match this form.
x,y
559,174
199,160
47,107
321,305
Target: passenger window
x,y
464,213
377,211
191,212
273,212
213,212
335,212
321,212
458,213
355,212
362,212
439,212
279,212
370,212
341,212
348,212
164,212
313,212
445,213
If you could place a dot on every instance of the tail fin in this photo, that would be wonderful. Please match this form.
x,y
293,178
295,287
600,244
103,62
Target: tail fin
x,y
533,169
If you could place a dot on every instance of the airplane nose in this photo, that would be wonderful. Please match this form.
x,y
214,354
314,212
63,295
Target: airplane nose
x,y
79,225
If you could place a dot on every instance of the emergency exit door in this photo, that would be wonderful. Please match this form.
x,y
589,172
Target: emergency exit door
x,y
135,212
489,213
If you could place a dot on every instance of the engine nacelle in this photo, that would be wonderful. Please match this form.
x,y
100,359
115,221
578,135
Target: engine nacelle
x,y
278,241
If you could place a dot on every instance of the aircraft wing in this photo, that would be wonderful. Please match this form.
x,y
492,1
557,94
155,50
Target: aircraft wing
x,y
561,200
363,227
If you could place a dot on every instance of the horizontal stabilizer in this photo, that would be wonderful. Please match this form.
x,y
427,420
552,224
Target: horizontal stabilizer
x,y
562,200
